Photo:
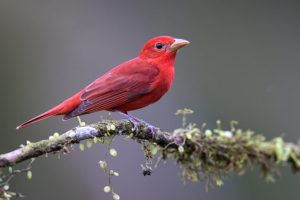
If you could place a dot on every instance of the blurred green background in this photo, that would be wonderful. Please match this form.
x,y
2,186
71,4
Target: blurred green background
x,y
242,64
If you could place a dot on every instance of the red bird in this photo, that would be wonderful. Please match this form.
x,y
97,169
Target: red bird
x,y
129,86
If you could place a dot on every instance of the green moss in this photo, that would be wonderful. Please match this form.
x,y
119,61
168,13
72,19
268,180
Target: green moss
x,y
212,155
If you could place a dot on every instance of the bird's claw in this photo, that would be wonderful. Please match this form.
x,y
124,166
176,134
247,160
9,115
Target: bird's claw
x,y
136,126
152,128
137,123
147,126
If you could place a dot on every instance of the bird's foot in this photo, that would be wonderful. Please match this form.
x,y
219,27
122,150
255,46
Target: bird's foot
x,y
150,127
136,126
81,123
137,123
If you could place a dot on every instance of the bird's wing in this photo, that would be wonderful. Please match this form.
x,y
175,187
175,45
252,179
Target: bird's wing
x,y
121,85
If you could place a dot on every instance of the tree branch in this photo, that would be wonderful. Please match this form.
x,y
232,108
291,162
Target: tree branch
x,y
202,154
77,134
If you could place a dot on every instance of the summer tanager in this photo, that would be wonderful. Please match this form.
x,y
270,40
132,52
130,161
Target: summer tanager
x,y
131,85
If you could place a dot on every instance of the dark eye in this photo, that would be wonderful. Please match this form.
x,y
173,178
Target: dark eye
x,y
159,45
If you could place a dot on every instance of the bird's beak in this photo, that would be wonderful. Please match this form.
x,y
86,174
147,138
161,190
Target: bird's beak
x,y
178,43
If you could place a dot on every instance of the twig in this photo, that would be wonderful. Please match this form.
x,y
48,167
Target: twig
x,y
7,178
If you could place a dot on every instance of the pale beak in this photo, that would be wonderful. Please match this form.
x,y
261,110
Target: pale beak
x,y
178,43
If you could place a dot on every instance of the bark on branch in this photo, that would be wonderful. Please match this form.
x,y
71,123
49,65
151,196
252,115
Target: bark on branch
x,y
77,134
207,154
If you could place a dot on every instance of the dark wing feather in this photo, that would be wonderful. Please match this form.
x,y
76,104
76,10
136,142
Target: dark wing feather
x,y
121,85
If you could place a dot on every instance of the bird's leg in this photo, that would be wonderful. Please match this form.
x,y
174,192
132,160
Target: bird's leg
x,y
81,123
132,120
150,126
137,122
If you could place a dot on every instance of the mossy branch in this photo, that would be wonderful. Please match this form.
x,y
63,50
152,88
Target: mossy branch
x,y
202,154
101,129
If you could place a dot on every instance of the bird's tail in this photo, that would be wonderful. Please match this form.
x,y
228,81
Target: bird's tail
x,y
61,109
52,112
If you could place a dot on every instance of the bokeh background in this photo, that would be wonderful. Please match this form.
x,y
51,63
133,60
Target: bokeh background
x,y
242,64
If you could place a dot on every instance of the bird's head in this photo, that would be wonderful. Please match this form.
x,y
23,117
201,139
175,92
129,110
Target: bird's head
x,y
162,47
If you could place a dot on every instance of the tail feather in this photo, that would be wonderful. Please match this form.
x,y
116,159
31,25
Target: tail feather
x,y
52,112
61,109
33,120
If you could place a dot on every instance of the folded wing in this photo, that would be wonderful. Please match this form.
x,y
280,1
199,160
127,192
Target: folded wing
x,y
121,85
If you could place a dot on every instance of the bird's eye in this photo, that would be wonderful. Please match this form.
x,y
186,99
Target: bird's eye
x,y
159,45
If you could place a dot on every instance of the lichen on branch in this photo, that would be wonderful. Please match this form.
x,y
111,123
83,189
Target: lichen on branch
x,y
202,154
212,154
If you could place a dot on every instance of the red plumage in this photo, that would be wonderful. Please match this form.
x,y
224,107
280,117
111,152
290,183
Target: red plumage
x,y
131,85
